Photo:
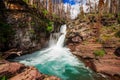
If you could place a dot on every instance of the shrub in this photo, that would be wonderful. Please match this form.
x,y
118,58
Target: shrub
x,y
26,1
45,12
50,26
100,52
6,32
3,78
118,19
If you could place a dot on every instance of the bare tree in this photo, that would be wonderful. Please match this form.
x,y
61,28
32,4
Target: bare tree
x,y
118,6
101,7
50,4
113,6
107,6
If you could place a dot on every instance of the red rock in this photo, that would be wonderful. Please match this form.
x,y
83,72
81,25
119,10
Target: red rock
x,y
52,78
71,46
17,71
86,50
108,66
29,74
10,68
33,74
76,39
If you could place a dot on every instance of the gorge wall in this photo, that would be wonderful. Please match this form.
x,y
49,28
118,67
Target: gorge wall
x,y
25,27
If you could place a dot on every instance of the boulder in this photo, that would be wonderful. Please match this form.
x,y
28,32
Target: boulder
x,y
107,66
77,39
32,73
29,74
17,71
8,69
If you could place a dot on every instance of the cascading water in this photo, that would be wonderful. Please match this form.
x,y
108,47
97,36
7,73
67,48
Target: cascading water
x,y
57,60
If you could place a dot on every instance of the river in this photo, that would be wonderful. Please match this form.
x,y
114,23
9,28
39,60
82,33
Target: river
x,y
58,60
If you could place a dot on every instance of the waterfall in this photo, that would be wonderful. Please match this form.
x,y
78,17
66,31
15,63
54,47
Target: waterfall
x,y
57,60
57,39
53,39
61,39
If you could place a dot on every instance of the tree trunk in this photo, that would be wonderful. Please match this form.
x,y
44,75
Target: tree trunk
x,y
31,2
107,6
45,4
101,6
118,7
113,6
50,6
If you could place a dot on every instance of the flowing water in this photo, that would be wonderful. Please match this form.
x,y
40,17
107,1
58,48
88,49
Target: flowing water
x,y
57,60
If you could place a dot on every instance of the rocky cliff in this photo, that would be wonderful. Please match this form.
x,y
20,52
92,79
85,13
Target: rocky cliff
x,y
25,27
96,44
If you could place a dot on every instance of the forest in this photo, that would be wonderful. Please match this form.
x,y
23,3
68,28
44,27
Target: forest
x,y
59,39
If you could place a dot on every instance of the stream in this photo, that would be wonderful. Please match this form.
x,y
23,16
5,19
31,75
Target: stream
x,y
57,60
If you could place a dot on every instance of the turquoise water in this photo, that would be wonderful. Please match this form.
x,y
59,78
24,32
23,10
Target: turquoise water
x,y
57,60
65,70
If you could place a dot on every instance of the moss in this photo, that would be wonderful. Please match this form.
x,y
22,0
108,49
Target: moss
x,y
118,19
32,23
55,16
100,52
45,12
3,78
109,15
26,1
6,32
117,34
108,32
0,55
22,24
105,37
31,31
50,26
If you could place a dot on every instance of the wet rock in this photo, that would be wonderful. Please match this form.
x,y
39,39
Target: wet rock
x,y
71,46
11,52
52,78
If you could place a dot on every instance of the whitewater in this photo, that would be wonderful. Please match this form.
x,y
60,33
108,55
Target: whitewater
x,y
57,60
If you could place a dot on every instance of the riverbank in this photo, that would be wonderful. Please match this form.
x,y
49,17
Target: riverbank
x,y
17,71
96,45
108,65
25,27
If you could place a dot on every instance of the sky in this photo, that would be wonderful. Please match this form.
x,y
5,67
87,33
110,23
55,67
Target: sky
x,y
74,7
75,4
